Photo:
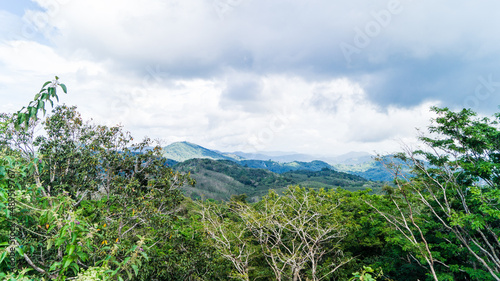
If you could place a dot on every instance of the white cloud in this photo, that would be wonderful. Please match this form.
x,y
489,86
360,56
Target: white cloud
x,y
266,75
194,110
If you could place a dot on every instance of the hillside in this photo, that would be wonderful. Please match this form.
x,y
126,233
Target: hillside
x,y
373,170
328,179
357,163
279,167
222,178
219,179
182,151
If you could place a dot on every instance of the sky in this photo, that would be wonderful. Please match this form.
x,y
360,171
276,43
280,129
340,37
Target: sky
x,y
310,76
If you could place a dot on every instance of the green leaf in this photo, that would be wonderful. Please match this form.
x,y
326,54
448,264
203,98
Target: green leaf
x,y
63,230
83,256
68,262
75,268
45,84
136,269
2,256
73,237
19,250
54,266
71,249
41,105
59,241
50,242
63,87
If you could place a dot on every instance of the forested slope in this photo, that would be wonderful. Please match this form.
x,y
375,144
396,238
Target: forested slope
x,y
219,179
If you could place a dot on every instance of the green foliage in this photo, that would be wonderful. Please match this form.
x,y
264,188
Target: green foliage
x,y
278,167
222,178
185,252
446,212
85,198
374,170
86,202
367,274
182,151
298,234
46,94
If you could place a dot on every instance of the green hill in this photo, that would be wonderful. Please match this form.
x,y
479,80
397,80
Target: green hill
x,y
356,163
279,167
373,170
328,179
222,178
219,179
182,151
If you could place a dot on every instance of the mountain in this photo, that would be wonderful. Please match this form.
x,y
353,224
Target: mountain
x,y
219,179
358,163
277,156
182,151
278,167
375,170
350,158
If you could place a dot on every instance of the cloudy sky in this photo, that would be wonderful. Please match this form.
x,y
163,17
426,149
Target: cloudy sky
x,y
310,76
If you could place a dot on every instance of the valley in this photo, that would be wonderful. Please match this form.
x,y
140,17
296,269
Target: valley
x,y
220,175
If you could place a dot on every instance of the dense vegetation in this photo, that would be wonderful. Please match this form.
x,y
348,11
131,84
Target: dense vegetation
x,y
365,166
86,202
219,179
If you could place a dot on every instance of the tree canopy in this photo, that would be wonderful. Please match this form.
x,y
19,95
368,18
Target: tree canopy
x,y
83,201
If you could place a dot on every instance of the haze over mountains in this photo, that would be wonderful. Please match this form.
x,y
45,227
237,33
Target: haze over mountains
x,y
357,163
182,151
220,179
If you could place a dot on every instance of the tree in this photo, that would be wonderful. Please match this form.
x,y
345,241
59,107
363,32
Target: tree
x,y
230,237
84,196
298,234
296,231
454,182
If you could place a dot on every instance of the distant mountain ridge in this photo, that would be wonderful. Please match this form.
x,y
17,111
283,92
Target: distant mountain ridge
x,y
280,167
182,151
358,163
219,179
352,157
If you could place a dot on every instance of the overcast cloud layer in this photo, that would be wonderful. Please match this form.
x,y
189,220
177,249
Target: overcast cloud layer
x,y
315,76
